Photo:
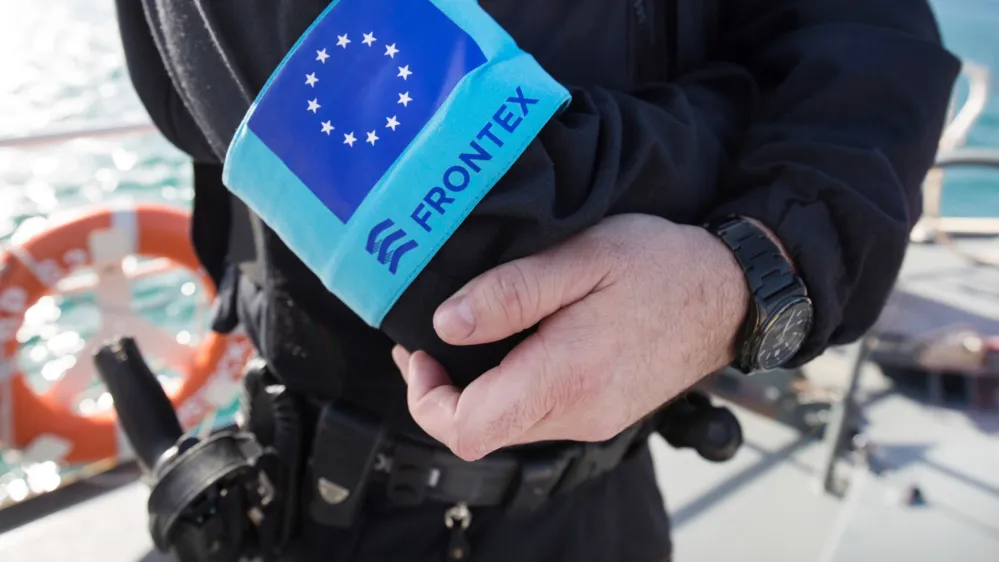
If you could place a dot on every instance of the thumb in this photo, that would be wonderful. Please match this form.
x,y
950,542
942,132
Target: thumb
x,y
516,295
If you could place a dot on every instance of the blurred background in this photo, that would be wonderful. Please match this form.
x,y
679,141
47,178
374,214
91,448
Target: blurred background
x,y
62,69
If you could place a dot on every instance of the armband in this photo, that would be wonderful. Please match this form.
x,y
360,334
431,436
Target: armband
x,y
379,132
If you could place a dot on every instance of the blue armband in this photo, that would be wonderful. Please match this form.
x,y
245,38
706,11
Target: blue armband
x,y
378,134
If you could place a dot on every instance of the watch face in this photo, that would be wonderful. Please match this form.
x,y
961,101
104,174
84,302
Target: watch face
x,y
785,335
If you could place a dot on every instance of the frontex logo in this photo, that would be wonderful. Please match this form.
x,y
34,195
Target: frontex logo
x,y
384,247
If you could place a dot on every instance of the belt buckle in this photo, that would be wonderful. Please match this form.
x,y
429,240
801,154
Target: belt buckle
x,y
538,480
412,474
541,479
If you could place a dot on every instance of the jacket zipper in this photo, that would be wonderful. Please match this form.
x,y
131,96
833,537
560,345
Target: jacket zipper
x,y
671,31
648,51
642,15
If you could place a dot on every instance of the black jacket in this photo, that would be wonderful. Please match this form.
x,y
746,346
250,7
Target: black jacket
x,y
817,117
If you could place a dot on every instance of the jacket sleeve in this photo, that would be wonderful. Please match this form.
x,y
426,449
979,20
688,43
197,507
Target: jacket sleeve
x,y
855,96
817,118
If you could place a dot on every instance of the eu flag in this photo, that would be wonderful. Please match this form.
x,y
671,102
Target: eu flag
x,y
383,127
355,92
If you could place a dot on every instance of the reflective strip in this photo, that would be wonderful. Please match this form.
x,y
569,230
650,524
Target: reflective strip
x,y
117,242
126,221
7,370
43,274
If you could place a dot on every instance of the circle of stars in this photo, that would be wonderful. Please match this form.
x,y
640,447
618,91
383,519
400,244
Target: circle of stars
x,y
391,122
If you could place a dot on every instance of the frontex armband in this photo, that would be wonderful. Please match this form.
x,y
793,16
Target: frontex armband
x,y
379,132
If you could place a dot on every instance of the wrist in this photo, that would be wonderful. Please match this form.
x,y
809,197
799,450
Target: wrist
x,y
729,298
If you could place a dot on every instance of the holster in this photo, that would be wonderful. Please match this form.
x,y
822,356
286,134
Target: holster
x,y
234,494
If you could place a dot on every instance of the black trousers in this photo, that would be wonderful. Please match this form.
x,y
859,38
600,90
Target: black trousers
x,y
619,517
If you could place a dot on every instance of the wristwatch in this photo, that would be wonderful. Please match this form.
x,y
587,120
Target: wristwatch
x,y
779,315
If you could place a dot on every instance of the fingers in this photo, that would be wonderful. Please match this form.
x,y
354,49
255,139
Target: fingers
x,y
498,409
431,398
517,295
401,357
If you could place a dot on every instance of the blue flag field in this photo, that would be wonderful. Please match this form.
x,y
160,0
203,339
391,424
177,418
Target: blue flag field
x,y
380,131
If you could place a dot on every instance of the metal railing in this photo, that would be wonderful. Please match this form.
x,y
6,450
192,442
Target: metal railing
x,y
933,226
55,137
86,281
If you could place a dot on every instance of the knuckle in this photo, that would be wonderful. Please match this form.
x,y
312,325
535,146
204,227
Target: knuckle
x,y
605,249
513,293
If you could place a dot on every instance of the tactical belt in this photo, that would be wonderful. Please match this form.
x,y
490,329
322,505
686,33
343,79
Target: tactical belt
x,y
351,452
415,473
242,492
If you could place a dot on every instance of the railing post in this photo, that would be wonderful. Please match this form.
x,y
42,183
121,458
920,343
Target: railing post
x,y
842,412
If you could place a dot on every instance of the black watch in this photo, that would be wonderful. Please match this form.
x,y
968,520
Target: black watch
x,y
779,317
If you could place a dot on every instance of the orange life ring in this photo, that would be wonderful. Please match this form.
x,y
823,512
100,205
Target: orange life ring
x,y
30,270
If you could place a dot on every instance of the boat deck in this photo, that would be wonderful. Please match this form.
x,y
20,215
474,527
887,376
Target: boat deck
x,y
938,288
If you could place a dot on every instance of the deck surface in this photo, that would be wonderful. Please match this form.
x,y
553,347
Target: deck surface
x,y
938,288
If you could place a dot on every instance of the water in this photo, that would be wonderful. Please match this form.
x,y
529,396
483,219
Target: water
x,y
61,66
969,28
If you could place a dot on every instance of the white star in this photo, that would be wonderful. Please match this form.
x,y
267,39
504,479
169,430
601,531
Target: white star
x,y
404,72
314,105
342,41
372,137
390,50
349,139
311,79
369,38
404,99
321,56
327,127
392,123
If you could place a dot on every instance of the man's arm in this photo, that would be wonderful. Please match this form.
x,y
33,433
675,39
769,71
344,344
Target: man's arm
x,y
635,310
855,100
831,159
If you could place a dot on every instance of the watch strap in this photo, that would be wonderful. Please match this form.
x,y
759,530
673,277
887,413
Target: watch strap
x,y
767,271
769,275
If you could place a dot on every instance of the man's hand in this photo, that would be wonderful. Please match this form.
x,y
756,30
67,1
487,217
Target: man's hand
x,y
632,312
